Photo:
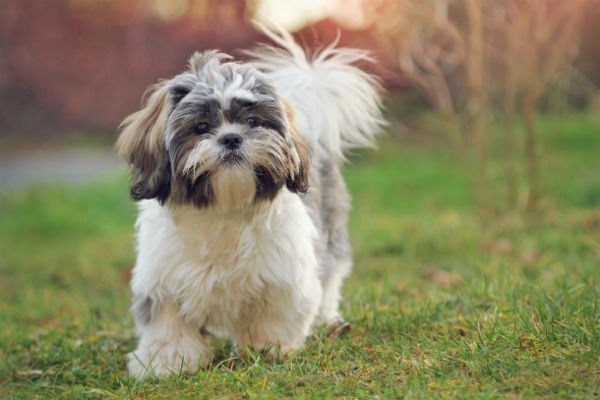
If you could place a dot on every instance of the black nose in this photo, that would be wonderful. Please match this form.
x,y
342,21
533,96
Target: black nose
x,y
231,140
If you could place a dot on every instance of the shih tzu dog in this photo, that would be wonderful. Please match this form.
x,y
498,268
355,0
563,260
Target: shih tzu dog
x,y
242,208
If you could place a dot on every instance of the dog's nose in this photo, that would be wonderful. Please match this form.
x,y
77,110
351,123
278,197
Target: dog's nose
x,y
231,140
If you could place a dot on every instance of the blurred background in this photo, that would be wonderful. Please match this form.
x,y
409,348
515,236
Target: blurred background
x,y
71,70
475,222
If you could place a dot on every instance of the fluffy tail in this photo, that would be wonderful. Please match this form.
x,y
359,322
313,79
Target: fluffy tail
x,y
338,106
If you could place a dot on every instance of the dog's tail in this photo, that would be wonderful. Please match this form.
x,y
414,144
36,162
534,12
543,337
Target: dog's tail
x,y
338,106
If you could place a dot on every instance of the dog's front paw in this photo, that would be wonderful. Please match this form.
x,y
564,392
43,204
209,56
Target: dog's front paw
x,y
166,359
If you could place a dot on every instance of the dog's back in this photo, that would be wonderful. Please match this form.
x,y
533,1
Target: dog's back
x,y
338,108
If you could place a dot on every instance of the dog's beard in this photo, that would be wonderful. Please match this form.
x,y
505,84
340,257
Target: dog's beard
x,y
230,174
234,187
202,159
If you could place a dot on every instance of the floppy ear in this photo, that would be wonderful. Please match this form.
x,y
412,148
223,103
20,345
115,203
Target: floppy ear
x,y
142,144
298,158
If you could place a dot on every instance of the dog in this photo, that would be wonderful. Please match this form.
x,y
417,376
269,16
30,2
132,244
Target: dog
x,y
242,227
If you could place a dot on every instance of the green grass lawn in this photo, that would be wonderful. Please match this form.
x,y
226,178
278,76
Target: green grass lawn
x,y
444,304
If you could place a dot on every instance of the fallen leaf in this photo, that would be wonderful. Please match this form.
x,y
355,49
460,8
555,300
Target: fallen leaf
x,y
440,277
31,372
591,224
125,275
339,328
526,341
503,245
530,257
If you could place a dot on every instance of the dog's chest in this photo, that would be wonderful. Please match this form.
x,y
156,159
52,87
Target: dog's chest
x,y
217,269
229,266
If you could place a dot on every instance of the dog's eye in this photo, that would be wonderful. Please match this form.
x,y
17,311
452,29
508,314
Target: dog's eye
x,y
252,122
202,127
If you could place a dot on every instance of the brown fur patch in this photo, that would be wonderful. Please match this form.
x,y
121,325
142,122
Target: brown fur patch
x,y
297,180
141,144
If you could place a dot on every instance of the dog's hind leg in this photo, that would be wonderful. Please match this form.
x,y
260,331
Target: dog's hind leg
x,y
336,258
332,285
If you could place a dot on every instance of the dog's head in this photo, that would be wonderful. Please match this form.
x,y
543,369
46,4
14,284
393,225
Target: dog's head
x,y
216,135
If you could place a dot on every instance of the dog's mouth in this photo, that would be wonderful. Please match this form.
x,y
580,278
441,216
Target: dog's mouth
x,y
232,158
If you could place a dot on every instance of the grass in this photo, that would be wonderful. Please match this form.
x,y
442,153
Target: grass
x,y
444,304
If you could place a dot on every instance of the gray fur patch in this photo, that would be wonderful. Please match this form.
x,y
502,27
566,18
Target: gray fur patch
x,y
335,207
144,309
328,203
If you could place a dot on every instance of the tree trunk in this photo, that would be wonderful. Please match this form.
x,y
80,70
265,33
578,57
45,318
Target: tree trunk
x,y
531,151
478,98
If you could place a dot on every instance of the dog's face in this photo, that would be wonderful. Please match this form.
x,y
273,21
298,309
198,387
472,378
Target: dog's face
x,y
217,135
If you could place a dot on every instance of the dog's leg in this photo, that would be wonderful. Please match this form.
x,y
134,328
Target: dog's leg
x,y
336,257
276,335
281,326
332,285
168,344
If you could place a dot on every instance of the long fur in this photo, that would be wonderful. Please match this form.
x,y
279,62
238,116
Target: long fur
x,y
250,242
141,144
338,105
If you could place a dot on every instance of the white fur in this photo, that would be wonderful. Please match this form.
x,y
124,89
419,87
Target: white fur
x,y
168,344
337,104
251,275
234,188
245,270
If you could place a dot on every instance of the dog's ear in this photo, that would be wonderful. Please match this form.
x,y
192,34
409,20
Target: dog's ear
x,y
178,92
142,144
298,156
